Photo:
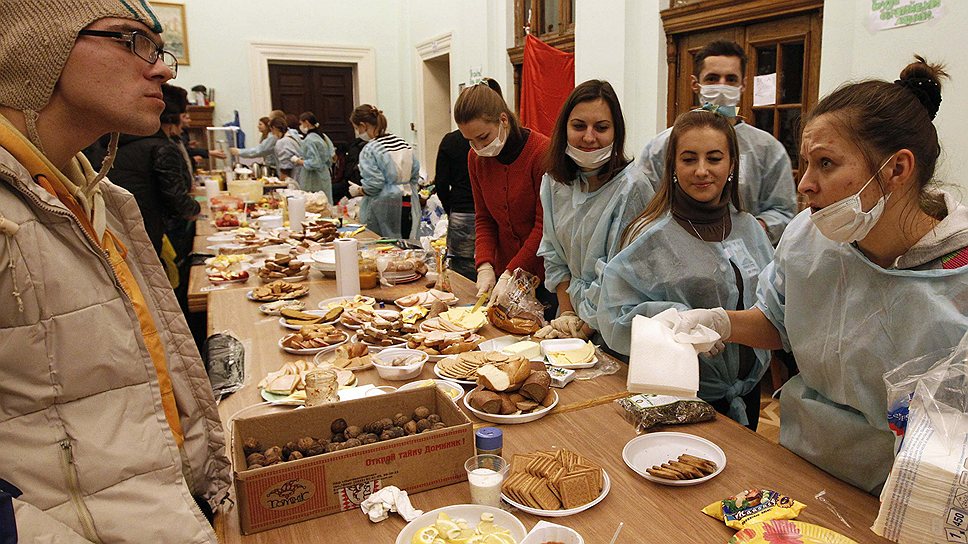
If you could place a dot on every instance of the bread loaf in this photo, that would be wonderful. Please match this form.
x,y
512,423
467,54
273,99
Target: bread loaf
x,y
508,406
520,324
536,386
486,401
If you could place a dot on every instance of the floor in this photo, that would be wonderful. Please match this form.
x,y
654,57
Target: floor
x,y
769,425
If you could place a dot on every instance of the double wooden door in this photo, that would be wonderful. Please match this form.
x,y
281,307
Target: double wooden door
x,y
327,91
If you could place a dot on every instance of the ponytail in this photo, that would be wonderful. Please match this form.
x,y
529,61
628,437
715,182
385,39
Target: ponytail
x,y
370,115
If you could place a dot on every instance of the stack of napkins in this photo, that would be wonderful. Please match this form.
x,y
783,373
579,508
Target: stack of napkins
x,y
925,498
664,357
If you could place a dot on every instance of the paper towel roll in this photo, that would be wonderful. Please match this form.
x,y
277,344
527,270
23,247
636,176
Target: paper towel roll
x,y
347,267
297,213
211,190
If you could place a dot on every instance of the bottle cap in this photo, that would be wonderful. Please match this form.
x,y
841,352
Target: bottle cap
x,y
488,438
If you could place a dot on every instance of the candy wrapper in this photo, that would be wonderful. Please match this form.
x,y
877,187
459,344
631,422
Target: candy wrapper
x,y
517,309
754,506
645,411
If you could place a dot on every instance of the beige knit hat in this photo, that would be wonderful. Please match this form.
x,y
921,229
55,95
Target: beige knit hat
x,y
38,36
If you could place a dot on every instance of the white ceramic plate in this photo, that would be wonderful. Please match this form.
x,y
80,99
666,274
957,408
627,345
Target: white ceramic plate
x,y
471,513
311,351
510,420
606,485
321,313
648,450
324,305
223,237
223,281
289,296
450,388
455,380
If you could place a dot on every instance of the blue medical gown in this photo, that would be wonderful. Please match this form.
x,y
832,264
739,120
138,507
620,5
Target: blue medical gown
x,y
317,152
265,149
667,267
387,164
582,231
766,186
288,147
848,321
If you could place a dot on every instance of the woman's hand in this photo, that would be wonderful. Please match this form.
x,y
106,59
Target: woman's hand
x,y
486,279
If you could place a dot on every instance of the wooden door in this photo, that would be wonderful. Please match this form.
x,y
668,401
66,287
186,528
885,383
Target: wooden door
x,y
327,91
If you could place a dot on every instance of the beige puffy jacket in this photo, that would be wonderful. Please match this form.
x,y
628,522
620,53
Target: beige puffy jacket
x,y
82,428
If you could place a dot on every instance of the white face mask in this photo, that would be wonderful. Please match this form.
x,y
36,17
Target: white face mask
x,y
845,221
363,136
303,129
589,159
494,148
720,95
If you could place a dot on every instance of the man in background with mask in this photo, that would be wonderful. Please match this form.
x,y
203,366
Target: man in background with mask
x,y
766,185
109,431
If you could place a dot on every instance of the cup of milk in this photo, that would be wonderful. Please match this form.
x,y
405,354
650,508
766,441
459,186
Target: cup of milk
x,y
485,474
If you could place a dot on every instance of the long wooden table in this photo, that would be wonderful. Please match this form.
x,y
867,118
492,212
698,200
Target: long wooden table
x,y
586,420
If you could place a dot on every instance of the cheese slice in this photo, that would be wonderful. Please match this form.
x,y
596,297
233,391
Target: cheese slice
x,y
283,385
579,356
524,348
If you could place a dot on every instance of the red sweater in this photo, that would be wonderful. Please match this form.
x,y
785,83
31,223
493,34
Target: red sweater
x,y
507,208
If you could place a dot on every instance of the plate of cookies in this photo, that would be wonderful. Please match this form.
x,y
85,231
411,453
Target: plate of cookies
x,y
554,483
277,290
463,368
296,319
671,458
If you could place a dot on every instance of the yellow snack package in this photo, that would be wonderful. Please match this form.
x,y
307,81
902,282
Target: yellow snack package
x,y
753,506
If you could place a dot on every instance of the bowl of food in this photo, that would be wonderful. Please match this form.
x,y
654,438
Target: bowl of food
x,y
399,363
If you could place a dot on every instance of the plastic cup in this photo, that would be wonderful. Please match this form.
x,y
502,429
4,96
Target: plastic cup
x,y
485,474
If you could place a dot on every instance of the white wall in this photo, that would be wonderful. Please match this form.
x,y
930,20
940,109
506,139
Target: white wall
x,y
219,32
851,52
622,41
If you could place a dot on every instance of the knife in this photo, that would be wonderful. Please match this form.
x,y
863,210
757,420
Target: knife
x,y
480,301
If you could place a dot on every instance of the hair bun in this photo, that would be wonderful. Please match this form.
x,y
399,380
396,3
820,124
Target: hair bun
x,y
926,90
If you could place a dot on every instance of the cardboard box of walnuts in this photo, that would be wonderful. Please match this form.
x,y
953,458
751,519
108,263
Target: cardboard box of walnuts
x,y
327,483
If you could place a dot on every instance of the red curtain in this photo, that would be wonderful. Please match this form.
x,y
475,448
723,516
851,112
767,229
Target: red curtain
x,y
547,78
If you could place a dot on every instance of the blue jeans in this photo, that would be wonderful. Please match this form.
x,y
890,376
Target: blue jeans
x,y
460,244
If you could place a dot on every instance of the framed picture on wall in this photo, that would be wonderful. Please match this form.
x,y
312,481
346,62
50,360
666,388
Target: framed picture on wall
x,y
175,33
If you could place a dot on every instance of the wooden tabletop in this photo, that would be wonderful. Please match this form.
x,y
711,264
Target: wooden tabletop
x,y
586,420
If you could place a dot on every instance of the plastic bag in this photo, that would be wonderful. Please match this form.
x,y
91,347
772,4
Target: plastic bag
x,y
225,363
925,498
645,411
517,309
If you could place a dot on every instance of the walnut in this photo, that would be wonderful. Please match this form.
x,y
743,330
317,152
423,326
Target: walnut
x,y
423,424
369,438
273,460
257,465
352,443
289,448
373,427
333,446
338,437
410,427
433,418
274,451
251,445
294,455
353,432
304,444
338,426
400,420
385,423
421,412
438,425
255,459
318,448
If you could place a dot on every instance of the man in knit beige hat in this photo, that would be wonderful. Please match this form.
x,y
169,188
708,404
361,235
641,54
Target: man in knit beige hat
x,y
108,426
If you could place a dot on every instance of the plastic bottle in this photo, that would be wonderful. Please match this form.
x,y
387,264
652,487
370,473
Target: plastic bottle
x,y
489,441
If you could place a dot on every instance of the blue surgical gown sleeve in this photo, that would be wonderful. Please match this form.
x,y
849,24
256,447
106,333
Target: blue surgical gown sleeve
x,y
317,153
771,300
777,200
556,269
372,169
651,163
265,148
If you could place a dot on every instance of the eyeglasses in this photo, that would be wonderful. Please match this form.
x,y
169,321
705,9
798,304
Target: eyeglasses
x,y
141,45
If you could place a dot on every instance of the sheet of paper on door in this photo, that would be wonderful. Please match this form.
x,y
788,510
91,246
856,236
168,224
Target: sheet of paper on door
x,y
764,90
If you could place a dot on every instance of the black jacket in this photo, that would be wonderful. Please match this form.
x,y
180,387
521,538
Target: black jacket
x,y
153,169
451,178
352,168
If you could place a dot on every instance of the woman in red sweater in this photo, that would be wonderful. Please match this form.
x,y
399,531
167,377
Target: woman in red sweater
x,y
505,166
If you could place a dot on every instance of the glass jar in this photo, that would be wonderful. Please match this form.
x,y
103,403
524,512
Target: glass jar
x,y
321,387
369,277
